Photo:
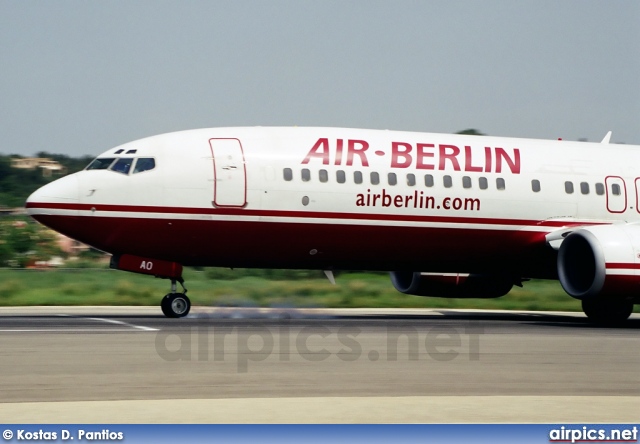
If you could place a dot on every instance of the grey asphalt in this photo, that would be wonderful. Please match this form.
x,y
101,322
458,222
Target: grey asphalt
x,y
81,356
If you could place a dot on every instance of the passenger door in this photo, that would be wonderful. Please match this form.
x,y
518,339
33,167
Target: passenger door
x,y
230,174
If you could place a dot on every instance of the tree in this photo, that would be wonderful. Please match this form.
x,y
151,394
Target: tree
x,y
5,253
471,132
23,241
20,237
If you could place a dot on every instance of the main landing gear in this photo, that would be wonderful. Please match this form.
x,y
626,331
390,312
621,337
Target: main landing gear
x,y
606,311
174,304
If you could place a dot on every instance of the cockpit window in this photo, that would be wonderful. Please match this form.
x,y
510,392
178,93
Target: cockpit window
x,y
101,164
144,164
122,165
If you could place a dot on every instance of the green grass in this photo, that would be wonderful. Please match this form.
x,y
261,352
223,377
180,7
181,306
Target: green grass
x,y
110,287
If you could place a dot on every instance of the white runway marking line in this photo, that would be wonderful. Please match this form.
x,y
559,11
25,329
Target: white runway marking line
x,y
83,330
64,330
113,321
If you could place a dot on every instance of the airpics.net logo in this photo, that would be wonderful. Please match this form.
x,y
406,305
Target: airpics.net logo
x,y
592,434
251,344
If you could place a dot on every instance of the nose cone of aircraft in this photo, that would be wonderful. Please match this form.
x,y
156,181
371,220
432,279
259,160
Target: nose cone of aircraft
x,y
54,195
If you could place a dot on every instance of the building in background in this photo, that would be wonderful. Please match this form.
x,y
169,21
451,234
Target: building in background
x,y
49,167
70,246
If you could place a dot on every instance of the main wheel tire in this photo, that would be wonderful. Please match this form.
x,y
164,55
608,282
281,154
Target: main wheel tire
x,y
175,305
607,312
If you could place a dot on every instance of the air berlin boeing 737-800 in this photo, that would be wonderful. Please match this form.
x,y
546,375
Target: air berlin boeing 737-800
x,y
448,215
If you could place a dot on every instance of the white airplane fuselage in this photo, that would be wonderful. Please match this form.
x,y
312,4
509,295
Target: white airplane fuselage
x,y
333,198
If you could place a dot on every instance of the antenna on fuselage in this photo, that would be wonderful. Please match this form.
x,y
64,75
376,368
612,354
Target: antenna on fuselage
x,y
329,275
607,138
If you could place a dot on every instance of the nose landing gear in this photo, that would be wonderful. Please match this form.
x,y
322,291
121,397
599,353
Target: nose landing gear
x,y
174,304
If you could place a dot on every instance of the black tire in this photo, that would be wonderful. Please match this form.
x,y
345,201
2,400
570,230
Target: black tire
x,y
607,312
165,305
175,305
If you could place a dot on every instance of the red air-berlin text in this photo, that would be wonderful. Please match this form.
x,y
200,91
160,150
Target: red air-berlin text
x,y
420,156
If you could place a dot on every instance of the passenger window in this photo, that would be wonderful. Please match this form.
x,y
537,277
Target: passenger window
x,y
584,187
599,189
483,183
149,163
447,181
500,184
341,177
428,180
287,173
101,164
466,182
324,176
535,185
411,180
615,189
568,187
306,175
375,178
392,178
122,165
357,177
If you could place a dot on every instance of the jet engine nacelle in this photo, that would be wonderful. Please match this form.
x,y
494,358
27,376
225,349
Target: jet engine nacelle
x,y
451,285
601,261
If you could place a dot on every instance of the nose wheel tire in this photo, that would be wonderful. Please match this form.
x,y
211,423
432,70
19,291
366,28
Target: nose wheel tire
x,y
175,305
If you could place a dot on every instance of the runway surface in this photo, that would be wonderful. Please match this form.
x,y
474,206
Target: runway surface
x,y
110,364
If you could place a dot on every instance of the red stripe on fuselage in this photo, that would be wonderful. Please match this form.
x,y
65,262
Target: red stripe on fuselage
x,y
314,245
301,214
622,266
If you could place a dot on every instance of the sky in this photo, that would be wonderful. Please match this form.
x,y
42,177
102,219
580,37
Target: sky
x,y
80,77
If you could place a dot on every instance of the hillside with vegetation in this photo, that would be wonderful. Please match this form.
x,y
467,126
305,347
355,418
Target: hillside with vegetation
x,y
17,184
23,242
